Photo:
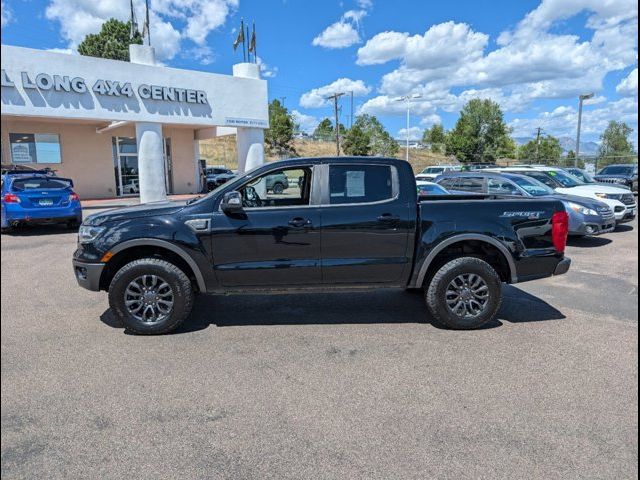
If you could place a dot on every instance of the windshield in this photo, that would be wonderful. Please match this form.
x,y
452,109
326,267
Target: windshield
x,y
532,186
617,170
39,183
566,180
432,189
582,175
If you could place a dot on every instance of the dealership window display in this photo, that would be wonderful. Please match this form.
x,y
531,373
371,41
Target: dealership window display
x,y
35,148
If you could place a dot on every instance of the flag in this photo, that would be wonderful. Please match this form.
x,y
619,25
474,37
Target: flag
x,y
240,38
252,42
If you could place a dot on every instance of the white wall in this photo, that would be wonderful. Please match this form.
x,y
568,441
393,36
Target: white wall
x,y
230,101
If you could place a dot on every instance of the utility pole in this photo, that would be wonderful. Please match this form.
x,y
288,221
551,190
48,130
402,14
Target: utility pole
x,y
351,121
539,129
335,98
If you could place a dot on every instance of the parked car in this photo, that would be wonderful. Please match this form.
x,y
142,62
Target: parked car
x,y
621,200
430,173
278,183
366,229
620,175
582,175
472,167
586,216
430,188
131,187
217,176
38,198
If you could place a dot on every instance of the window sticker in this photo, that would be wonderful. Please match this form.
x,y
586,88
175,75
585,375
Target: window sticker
x,y
355,183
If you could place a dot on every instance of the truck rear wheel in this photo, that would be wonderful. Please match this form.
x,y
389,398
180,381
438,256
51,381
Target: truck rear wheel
x,y
465,293
151,296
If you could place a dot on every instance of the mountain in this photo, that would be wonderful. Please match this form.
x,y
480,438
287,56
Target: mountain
x,y
567,143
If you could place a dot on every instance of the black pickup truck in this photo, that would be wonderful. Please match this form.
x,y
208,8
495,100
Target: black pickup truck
x,y
349,223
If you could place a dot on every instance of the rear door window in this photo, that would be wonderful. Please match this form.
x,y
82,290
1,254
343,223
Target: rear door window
x,y
360,184
39,183
471,184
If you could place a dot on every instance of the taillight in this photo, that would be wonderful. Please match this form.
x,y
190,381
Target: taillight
x,y
74,197
10,198
560,230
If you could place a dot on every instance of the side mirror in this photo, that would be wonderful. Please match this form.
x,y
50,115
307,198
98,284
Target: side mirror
x,y
231,202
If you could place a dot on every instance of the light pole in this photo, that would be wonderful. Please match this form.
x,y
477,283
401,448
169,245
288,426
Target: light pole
x,y
408,98
584,97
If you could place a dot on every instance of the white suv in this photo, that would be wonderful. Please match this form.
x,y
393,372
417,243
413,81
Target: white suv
x,y
621,200
429,174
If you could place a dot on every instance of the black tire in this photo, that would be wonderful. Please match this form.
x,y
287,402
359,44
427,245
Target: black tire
x,y
436,294
278,188
177,280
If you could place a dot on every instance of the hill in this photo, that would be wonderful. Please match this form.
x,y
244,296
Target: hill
x,y
222,151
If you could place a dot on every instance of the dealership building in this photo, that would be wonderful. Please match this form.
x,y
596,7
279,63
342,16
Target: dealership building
x,y
125,128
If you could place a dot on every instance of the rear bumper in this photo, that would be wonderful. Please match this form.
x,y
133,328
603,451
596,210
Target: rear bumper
x,y
88,274
43,215
563,266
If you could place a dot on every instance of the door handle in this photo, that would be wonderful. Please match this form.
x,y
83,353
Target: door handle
x,y
299,222
387,217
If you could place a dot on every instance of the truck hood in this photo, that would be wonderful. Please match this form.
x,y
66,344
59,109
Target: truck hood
x,y
136,211
592,189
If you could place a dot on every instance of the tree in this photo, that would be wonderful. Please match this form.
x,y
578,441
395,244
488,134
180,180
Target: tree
x,y
615,146
548,150
380,142
356,142
279,135
112,42
324,130
435,138
480,134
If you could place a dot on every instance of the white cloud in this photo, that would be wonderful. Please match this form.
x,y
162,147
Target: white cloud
x,y
317,97
78,18
531,62
443,45
343,33
307,123
415,133
562,121
430,120
66,51
7,16
337,35
629,86
384,105
266,71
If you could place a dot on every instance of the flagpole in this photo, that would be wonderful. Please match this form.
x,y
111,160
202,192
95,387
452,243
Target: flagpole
x,y
255,44
248,54
244,53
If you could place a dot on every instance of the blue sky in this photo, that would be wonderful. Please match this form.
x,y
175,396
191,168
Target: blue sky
x,y
533,57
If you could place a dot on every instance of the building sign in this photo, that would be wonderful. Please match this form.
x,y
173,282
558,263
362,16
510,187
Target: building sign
x,y
114,88
47,84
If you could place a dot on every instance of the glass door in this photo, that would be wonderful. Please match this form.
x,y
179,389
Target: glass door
x,y
125,165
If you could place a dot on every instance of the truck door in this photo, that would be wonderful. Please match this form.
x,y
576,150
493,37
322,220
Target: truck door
x,y
366,226
275,240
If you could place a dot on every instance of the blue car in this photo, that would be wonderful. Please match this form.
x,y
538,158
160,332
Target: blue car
x,y
35,198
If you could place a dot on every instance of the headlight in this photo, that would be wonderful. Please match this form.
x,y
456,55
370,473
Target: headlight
x,y
601,195
583,210
88,233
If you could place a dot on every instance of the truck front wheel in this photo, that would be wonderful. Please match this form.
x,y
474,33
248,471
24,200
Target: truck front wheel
x,y
151,296
465,293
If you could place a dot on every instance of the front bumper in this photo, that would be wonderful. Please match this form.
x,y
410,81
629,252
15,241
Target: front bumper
x,y
88,274
563,266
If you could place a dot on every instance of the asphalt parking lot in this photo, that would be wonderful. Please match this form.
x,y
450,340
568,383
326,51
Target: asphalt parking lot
x,y
321,386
